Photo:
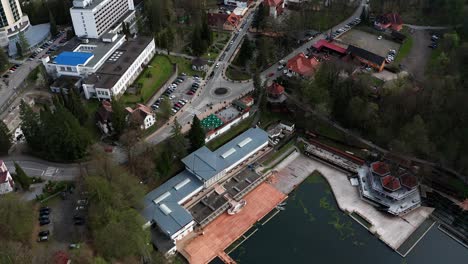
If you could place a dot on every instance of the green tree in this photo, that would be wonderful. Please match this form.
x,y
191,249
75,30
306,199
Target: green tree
x,y
22,177
30,125
119,117
196,134
3,60
245,53
19,49
16,218
75,105
53,25
414,138
178,143
5,139
165,109
199,45
23,41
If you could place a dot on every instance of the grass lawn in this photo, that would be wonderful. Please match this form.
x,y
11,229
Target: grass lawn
x,y
405,48
237,75
185,65
151,80
230,134
219,41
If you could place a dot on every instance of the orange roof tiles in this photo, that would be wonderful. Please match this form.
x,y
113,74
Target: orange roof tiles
x,y
226,229
275,89
303,65
390,183
380,168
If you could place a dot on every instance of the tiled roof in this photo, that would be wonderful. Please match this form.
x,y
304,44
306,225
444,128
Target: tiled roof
x,y
275,89
302,65
273,2
380,168
390,183
323,43
408,180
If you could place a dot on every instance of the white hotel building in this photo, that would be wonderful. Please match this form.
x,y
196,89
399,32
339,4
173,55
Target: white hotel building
x,y
93,18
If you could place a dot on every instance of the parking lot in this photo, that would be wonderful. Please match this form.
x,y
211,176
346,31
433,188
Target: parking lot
x,y
368,42
64,227
180,92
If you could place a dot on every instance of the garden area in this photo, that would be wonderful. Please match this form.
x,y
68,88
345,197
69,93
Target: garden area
x,y
150,81
237,74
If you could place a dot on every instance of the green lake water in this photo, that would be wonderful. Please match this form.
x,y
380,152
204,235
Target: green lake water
x,y
313,230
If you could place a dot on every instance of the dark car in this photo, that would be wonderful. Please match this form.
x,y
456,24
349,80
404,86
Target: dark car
x,y
44,222
43,217
79,221
44,213
44,233
45,210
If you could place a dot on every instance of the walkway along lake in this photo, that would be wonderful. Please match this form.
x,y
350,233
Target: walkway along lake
x,y
312,229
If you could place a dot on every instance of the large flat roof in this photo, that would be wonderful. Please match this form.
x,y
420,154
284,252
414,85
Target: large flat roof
x,y
162,205
99,49
118,63
73,58
206,164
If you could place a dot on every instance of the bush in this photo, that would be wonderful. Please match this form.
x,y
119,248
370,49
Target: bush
x,y
22,178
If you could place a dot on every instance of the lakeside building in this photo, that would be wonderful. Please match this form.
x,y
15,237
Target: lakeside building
x,y
164,207
6,181
394,190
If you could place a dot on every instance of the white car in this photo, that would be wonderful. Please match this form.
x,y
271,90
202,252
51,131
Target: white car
x,y
174,111
379,37
280,67
217,65
181,102
171,97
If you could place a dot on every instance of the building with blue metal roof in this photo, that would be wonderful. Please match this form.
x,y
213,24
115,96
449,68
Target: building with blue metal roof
x,y
68,58
164,205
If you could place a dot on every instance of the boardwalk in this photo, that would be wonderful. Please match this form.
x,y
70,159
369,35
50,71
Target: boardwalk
x,y
226,229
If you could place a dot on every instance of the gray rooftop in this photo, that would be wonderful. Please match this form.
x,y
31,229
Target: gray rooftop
x,y
100,50
206,164
169,195
118,63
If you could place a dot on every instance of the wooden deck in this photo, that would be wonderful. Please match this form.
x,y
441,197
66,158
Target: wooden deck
x,y
226,229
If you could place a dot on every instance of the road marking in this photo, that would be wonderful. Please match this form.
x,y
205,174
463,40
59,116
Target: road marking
x,y
50,172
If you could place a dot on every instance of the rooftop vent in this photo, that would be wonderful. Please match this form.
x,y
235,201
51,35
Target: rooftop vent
x,y
162,197
228,153
181,184
165,209
244,142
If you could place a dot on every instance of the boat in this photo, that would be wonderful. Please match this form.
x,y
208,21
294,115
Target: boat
x,y
280,208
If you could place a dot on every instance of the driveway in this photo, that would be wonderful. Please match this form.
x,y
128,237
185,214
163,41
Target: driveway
x,y
416,61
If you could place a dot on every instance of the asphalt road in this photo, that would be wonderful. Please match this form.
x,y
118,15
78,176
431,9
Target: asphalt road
x,y
35,167
206,96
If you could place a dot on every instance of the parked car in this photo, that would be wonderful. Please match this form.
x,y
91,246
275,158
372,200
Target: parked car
x,y
43,217
171,97
379,37
44,222
43,239
44,233
79,222
190,92
217,65
74,246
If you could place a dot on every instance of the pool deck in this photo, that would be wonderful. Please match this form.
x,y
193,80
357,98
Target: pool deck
x,y
393,231
224,230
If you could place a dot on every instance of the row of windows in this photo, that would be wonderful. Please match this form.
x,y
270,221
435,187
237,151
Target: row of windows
x,y
104,21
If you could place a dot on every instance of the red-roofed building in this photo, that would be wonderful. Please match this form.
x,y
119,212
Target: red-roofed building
x,y
303,66
276,7
380,168
275,90
141,115
6,181
389,21
390,183
324,44
409,181
224,21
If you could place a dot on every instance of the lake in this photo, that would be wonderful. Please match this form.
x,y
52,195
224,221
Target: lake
x,y
312,229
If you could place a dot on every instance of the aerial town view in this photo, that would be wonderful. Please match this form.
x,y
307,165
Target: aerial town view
x,y
233,131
